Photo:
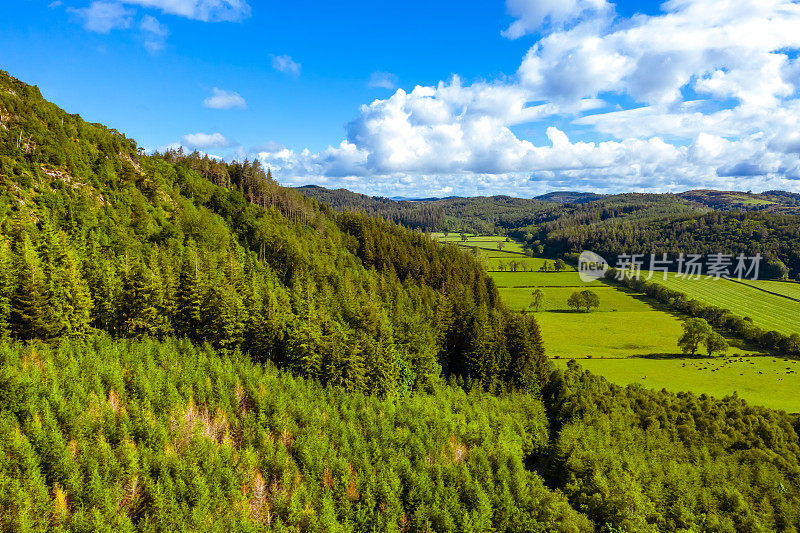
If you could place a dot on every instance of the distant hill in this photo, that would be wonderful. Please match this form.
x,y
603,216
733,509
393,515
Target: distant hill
x,y
480,214
570,197
770,201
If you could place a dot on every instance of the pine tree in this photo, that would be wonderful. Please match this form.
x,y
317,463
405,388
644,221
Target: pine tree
x,y
106,290
190,295
78,303
223,317
29,300
138,304
6,288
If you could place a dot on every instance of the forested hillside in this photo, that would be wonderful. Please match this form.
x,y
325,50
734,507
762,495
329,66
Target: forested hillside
x,y
642,224
94,235
480,214
147,436
187,346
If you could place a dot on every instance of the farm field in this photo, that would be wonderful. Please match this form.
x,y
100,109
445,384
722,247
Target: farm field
x,y
785,288
767,311
541,279
768,381
489,243
629,340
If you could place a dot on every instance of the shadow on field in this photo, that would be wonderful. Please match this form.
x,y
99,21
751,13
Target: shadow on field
x,y
674,356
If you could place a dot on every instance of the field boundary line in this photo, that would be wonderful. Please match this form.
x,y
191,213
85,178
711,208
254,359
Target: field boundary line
x,y
762,290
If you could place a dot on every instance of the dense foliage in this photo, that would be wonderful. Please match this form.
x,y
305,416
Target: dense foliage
x,y
480,214
696,222
185,345
655,461
666,224
143,436
94,235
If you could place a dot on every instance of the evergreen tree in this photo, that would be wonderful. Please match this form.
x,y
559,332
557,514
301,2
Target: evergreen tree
x,y
139,310
223,317
29,300
77,305
6,288
190,295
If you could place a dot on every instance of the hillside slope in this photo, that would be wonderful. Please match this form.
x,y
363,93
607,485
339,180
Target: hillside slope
x,y
96,235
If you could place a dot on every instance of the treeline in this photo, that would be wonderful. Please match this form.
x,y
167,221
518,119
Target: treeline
x,y
630,223
131,436
662,224
651,461
143,246
424,216
479,215
721,318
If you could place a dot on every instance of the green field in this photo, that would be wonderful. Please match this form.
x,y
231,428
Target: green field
x,y
541,279
767,311
631,339
785,288
489,243
763,381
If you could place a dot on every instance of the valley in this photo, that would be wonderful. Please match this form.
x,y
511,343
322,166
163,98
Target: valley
x,y
631,339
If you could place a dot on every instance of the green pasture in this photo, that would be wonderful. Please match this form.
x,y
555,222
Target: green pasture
x,y
767,311
485,242
760,380
555,299
785,288
542,279
631,339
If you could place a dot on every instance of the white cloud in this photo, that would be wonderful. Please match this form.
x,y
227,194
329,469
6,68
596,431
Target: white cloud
x,y
532,15
102,17
155,34
705,94
221,99
205,140
727,48
203,10
286,64
383,80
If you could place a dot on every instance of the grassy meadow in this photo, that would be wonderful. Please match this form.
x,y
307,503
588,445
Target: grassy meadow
x,y
630,339
767,381
790,289
767,311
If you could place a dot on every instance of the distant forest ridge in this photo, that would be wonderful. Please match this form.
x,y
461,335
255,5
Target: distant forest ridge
x,y
559,223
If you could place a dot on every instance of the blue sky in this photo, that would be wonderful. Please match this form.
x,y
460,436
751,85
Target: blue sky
x,y
519,97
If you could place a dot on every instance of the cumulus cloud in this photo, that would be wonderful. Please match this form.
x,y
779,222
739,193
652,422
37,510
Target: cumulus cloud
x,y
203,10
383,80
286,64
155,34
705,94
204,141
221,99
102,17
